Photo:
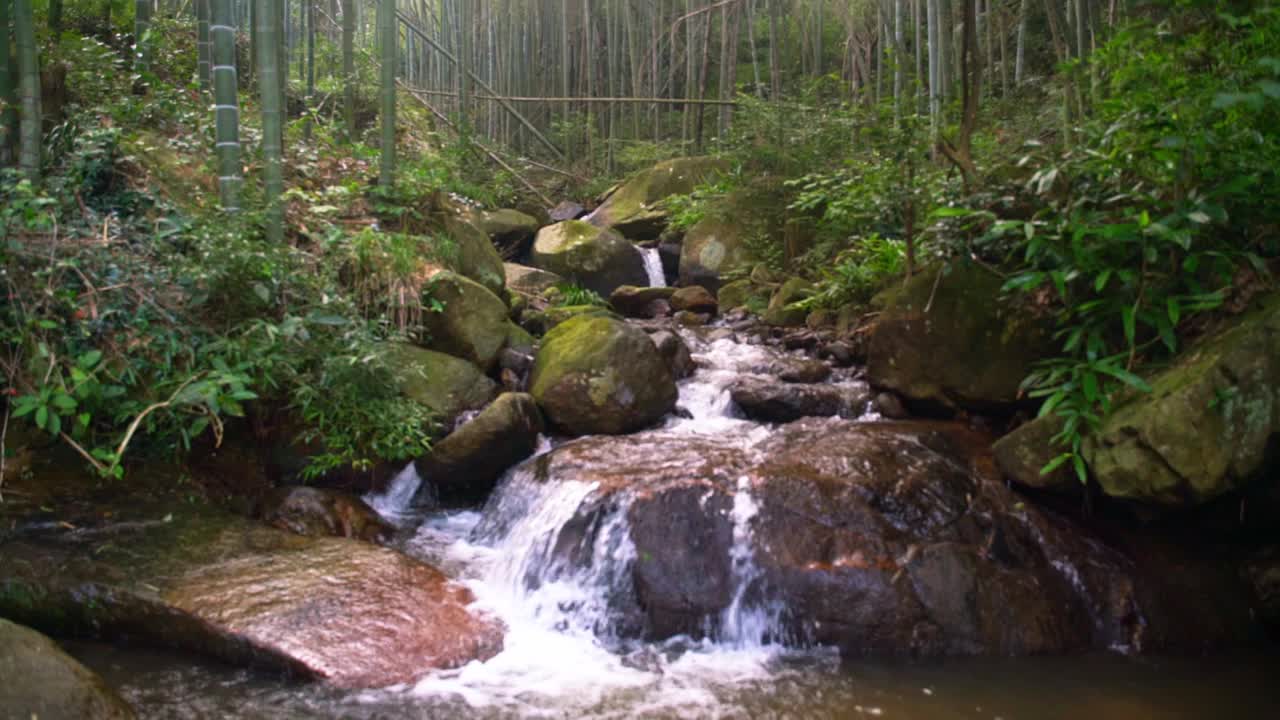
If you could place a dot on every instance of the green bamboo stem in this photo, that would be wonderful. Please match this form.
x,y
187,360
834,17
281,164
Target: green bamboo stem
x,y
8,96
24,33
272,99
226,106
349,66
387,40
141,25
202,43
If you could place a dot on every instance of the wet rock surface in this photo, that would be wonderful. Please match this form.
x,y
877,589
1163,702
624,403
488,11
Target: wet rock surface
x,y
351,613
38,680
321,512
598,259
877,538
767,400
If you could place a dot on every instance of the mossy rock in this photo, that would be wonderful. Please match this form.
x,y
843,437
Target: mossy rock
x,y
1209,425
599,375
42,681
1023,453
443,383
466,465
543,321
955,342
635,209
520,340
471,322
711,248
597,259
510,231
780,313
477,258
737,294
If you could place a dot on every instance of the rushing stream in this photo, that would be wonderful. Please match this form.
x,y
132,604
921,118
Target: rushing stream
x,y
562,658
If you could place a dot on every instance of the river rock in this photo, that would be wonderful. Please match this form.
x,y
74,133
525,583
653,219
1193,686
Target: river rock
x,y
529,281
1262,572
880,539
712,247
445,384
354,614
542,322
41,681
596,258
476,257
566,210
510,231
955,342
736,294
635,208
694,298
674,350
601,375
780,312
322,512
467,322
465,465
1209,426
638,302
769,401
804,371
1024,453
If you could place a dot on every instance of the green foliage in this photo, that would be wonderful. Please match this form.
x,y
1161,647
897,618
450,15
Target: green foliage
x,y
569,294
1147,221
857,273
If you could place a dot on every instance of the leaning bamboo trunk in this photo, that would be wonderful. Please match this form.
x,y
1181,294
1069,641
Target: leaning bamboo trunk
x,y
24,35
222,34
387,39
269,17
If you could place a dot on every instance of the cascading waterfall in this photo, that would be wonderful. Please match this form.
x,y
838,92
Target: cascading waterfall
x,y
562,590
653,266
395,502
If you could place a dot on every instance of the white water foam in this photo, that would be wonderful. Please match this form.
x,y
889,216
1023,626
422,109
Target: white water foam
x,y
653,266
396,501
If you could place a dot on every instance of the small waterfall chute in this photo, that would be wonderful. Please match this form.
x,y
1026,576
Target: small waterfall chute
x,y
653,266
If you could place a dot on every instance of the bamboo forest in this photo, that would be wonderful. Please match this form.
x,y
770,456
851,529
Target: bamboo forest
x,y
732,359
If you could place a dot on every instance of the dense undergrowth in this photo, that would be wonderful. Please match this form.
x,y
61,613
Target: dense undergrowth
x,y
1156,207
138,319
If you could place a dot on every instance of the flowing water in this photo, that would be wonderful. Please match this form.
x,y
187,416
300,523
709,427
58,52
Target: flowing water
x,y
653,267
562,657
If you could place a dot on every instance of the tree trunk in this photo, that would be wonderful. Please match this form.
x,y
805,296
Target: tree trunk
x,y
8,79
349,66
269,39
141,26
309,16
226,104
960,152
24,35
387,39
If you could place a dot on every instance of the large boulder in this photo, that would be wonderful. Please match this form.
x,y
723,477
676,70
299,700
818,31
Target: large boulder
x,y
476,257
529,281
877,538
465,466
41,681
443,383
635,208
541,322
510,231
694,298
595,258
355,614
1209,425
1023,454
465,320
601,375
712,247
955,342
